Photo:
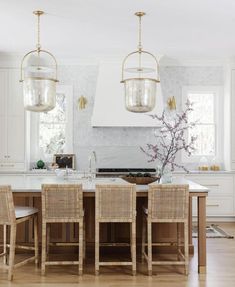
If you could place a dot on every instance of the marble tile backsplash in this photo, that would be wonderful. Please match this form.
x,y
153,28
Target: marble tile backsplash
x,y
120,147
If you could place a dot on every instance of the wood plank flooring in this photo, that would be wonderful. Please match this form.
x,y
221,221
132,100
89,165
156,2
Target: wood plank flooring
x,y
220,272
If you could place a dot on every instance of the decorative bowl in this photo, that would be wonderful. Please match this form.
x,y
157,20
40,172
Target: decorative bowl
x,y
142,180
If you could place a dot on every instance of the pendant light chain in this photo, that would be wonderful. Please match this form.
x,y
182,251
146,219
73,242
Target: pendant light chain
x,y
38,33
140,47
38,44
38,14
140,35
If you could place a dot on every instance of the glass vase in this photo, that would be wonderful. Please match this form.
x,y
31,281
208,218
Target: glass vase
x,y
166,176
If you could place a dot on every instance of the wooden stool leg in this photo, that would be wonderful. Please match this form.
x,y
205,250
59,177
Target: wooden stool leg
x,y
12,251
149,247
35,224
178,241
143,237
43,259
131,239
186,247
97,247
5,244
48,229
84,240
133,247
80,266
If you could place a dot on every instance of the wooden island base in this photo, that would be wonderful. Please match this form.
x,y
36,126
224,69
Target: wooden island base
x,y
109,232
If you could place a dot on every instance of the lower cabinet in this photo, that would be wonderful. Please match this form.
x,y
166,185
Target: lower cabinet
x,y
220,200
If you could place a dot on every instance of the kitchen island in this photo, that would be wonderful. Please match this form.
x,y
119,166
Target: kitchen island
x,y
27,191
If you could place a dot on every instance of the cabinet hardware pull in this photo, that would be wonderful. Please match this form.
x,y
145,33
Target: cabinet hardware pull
x,y
7,165
211,184
212,205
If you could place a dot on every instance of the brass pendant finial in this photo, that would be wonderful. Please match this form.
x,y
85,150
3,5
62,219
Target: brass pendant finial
x,y
140,14
38,13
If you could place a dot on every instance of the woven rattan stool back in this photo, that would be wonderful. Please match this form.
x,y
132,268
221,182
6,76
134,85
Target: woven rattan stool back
x,y
62,202
115,203
168,202
7,210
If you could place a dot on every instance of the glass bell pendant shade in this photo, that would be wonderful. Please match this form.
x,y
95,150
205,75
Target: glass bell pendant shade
x,y
39,94
39,83
140,94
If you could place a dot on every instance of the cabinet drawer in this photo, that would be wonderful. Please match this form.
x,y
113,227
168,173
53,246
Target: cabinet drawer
x,y
217,185
8,166
216,206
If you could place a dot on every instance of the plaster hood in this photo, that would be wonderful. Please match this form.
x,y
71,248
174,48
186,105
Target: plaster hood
x,y
109,106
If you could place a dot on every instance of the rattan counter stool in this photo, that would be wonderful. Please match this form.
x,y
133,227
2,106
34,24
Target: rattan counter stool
x,y
62,203
115,203
167,203
10,217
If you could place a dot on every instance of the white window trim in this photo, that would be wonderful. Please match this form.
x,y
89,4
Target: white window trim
x,y
218,114
34,123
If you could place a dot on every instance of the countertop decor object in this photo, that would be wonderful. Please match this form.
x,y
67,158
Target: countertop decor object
x,y
65,160
40,164
171,139
140,90
141,180
39,76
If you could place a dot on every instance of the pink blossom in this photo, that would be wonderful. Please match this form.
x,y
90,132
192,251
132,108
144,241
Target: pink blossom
x,y
170,139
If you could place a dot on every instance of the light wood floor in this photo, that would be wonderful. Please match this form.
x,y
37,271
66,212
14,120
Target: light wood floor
x,y
220,272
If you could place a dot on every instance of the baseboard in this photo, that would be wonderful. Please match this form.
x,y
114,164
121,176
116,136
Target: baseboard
x,y
217,219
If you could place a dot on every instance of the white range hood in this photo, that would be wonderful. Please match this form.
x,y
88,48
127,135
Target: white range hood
x,y
109,106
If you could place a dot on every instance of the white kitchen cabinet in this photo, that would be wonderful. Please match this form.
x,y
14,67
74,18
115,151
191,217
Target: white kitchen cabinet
x,y
220,200
12,121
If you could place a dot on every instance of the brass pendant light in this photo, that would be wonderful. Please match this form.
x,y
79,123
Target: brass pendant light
x,y
39,76
140,91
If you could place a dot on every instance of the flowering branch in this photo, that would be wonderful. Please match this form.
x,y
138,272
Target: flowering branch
x,y
171,139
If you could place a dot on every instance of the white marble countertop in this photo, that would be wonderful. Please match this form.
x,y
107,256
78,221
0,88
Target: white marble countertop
x,y
32,183
52,172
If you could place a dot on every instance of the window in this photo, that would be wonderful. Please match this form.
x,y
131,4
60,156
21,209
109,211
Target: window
x,y
207,107
52,127
53,132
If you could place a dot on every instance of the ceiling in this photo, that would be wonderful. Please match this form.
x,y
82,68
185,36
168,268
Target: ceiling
x,y
98,28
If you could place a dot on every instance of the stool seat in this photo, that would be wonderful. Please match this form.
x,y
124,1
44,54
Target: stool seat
x,y
23,211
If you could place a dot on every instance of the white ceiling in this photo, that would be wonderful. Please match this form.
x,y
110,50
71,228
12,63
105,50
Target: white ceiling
x,y
97,28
